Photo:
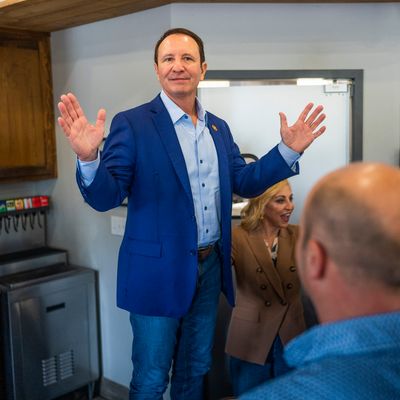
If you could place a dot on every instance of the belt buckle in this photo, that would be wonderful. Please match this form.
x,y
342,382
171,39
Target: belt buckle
x,y
204,252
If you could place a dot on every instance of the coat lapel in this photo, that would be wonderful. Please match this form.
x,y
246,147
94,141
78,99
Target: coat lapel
x,y
260,251
166,131
223,166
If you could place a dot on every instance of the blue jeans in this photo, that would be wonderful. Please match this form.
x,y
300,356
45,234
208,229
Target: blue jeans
x,y
246,375
186,343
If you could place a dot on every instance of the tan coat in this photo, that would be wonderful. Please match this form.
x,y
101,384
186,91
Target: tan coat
x,y
267,297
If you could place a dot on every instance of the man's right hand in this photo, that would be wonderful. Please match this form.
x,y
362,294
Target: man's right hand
x,y
84,138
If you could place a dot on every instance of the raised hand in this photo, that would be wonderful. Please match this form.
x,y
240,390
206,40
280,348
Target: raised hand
x,y
305,130
84,138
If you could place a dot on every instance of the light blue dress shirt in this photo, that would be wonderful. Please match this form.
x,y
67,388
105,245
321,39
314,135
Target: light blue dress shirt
x,y
202,166
355,359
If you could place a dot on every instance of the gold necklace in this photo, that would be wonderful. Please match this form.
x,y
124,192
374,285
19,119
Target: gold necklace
x,y
265,238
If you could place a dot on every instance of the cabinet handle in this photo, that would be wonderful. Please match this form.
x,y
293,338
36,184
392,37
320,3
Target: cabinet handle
x,y
55,307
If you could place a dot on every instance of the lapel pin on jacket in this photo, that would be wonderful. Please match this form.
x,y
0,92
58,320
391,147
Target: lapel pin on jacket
x,y
215,129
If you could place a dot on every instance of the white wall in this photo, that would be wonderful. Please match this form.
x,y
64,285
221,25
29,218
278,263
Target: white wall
x,y
109,64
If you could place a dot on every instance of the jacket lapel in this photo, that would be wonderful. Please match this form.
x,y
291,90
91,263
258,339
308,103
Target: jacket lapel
x,y
260,251
223,166
166,131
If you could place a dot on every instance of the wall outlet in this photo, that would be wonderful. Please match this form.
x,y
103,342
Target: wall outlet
x,y
117,225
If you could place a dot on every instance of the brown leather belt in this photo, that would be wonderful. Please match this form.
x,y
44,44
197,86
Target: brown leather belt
x,y
204,252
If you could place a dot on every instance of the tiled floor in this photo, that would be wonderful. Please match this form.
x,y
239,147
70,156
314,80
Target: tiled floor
x,y
81,394
74,396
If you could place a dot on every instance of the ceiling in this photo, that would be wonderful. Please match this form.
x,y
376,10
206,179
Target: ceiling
x,y
53,15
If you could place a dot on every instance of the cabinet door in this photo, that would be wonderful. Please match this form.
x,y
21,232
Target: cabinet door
x,y
27,143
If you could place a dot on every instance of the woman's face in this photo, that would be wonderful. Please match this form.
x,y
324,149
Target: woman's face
x,y
278,210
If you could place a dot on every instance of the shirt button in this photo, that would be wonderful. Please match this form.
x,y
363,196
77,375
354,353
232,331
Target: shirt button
x,y
292,268
289,285
259,269
201,161
203,184
283,302
263,287
267,303
206,230
205,207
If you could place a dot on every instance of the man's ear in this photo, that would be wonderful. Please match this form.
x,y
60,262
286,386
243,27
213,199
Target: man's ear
x,y
316,260
203,70
156,70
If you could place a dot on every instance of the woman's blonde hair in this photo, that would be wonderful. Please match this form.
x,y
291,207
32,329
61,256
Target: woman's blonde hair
x,y
253,212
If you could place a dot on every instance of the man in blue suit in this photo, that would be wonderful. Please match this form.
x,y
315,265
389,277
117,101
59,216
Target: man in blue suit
x,y
178,165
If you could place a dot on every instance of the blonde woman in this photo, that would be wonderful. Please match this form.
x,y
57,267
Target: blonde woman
x,y
268,311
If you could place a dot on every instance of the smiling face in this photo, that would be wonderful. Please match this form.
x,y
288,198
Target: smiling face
x,y
178,67
279,208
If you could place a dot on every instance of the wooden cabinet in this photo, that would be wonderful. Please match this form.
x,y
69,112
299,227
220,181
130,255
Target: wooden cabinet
x,y
27,134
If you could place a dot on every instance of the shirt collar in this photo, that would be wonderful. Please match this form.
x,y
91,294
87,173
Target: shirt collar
x,y
176,113
346,337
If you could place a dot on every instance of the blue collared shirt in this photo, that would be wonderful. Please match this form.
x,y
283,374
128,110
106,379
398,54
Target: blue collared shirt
x,y
355,359
202,166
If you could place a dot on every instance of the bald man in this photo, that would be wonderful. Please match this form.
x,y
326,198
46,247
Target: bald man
x,y
349,263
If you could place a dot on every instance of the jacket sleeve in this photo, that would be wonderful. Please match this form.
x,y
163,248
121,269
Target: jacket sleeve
x,y
116,169
250,180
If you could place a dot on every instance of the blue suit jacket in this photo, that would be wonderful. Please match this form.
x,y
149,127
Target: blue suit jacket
x,y
142,159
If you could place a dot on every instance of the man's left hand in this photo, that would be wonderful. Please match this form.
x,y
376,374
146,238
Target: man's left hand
x,y
305,130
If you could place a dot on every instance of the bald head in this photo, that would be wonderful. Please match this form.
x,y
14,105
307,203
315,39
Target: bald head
x,y
355,213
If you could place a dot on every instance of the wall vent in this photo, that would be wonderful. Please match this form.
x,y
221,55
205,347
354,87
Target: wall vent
x,y
58,368
49,371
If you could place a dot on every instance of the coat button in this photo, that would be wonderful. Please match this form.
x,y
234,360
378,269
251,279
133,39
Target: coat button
x,y
259,269
292,268
267,303
283,302
263,287
289,285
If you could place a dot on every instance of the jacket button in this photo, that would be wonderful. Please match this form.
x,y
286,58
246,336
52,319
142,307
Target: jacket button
x,y
267,303
259,269
263,287
283,302
289,285
292,268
